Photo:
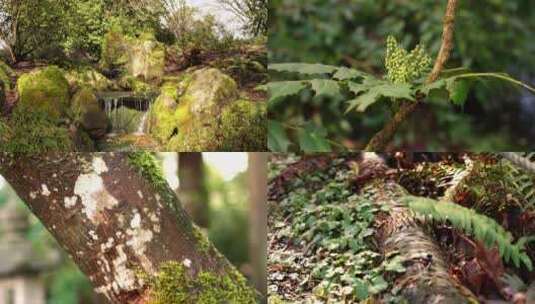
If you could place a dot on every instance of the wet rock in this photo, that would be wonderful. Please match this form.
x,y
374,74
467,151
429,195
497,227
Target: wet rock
x,y
88,113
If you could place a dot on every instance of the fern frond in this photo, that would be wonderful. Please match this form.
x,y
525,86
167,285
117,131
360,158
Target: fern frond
x,y
479,226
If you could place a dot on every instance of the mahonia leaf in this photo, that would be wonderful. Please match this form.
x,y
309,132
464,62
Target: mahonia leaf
x,y
303,68
325,87
357,88
344,73
362,102
313,138
277,138
280,89
385,89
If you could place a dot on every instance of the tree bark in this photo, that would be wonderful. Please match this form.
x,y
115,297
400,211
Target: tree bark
x,y
258,219
426,279
192,191
116,217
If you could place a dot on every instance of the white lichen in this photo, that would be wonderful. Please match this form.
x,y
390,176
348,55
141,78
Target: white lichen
x,y
93,194
44,190
187,263
70,201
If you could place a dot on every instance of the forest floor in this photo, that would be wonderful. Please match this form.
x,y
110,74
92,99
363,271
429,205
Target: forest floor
x,y
324,239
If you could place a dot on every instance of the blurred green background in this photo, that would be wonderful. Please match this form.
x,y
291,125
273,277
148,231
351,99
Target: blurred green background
x,y
493,35
226,182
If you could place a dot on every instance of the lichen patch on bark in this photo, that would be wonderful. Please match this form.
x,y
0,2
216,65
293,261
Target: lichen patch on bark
x,y
92,191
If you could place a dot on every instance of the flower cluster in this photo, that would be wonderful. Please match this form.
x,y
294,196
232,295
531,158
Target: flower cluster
x,y
402,66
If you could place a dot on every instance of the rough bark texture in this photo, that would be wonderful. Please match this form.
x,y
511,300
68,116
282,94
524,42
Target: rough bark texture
x,y
427,279
383,137
192,191
114,217
258,219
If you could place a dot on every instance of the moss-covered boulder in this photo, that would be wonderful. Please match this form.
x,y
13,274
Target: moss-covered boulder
x,y
114,52
46,90
146,57
88,113
242,126
201,113
209,90
88,77
142,56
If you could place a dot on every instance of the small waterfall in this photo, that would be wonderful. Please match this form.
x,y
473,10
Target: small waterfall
x,y
127,113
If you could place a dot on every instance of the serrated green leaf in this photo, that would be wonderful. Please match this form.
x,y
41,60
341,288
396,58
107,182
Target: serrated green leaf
x,y
303,68
325,87
313,138
437,85
344,73
384,89
280,89
362,102
277,138
458,89
357,88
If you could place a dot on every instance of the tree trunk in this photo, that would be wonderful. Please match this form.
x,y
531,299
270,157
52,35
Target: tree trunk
x,y
427,279
258,219
192,191
123,226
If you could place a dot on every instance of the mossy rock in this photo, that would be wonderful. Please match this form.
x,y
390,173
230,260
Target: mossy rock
x,y
88,113
88,77
209,90
135,84
146,57
114,53
244,126
200,113
32,130
45,90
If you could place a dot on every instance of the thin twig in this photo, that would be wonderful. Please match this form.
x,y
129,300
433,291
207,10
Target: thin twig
x,y
383,137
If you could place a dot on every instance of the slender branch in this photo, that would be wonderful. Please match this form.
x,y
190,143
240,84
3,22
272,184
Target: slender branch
x,y
383,137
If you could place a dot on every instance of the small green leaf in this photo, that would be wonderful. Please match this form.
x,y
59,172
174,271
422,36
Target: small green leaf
x,y
362,102
458,89
344,73
361,289
325,87
357,88
280,89
277,138
303,68
313,139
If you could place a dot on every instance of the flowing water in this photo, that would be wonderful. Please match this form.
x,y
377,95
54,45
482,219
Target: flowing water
x,y
127,112
128,115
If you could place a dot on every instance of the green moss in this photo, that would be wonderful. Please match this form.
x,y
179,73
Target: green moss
x,y
5,73
275,299
35,131
135,84
87,77
45,90
202,241
244,126
173,285
114,48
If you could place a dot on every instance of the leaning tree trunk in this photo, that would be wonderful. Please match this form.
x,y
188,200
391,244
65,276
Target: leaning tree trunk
x,y
123,226
427,279
192,190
